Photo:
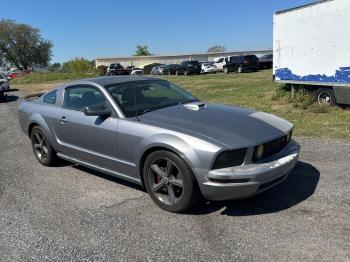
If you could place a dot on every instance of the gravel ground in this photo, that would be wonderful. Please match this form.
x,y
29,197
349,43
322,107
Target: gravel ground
x,y
69,213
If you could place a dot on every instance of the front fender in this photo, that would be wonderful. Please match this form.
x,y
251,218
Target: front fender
x,y
196,153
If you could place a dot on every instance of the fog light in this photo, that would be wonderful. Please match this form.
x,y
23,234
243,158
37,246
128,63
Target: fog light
x,y
259,152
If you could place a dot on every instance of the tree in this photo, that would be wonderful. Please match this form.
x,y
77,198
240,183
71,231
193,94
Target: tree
x,y
22,45
77,65
55,66
216,49
142,50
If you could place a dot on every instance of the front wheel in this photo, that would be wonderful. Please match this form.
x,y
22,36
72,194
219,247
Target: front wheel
x,y
170,182
226,70
42,148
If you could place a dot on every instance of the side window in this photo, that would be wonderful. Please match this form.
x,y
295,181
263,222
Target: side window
x,y
50,98
78,97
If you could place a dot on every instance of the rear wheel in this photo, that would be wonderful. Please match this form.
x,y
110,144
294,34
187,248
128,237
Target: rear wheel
x,y
170,182
42,148
325,96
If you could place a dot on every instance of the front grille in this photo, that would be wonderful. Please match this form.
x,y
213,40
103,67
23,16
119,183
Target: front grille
x,y
272,147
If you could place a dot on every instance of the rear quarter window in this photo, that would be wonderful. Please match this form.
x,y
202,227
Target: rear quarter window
x,y
50,98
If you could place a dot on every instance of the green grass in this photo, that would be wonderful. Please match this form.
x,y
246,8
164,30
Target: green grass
x,y
50,77
252,90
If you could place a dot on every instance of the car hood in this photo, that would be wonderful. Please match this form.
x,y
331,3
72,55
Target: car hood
x,y
231,126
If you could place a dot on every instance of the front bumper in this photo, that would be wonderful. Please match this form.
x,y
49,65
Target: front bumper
x,y
210,70
250,179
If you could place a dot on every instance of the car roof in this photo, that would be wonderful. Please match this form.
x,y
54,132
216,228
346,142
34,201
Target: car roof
x,y
110,80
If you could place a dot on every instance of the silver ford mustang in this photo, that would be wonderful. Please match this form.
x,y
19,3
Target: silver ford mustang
x,y
152,132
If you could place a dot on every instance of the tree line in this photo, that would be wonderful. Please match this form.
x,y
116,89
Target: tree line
x,y
23,46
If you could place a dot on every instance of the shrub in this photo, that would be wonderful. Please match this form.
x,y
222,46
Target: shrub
x,y
78,65
302,98
102,70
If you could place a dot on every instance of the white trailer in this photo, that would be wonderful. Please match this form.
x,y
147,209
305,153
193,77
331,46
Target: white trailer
x,y
311,46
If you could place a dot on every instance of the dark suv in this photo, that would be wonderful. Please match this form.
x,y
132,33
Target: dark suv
x,y
189,68
242,63
117,69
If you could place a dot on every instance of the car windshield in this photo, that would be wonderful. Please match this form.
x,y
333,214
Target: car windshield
x,y
140,97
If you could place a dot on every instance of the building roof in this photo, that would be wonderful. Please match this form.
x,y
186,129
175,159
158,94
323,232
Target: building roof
x,y
303,6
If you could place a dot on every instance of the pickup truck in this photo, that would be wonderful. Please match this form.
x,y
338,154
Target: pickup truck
x,y
117,69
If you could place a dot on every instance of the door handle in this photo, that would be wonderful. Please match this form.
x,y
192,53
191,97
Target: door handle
x,y
63,120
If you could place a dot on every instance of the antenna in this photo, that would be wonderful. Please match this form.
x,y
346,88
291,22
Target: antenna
x,y
136,118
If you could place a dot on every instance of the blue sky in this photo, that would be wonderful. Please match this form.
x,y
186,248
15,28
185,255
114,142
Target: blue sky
x,y
93,29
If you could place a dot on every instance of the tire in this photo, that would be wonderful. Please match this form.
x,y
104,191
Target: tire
x,y
177,73
239,69
325,96
42,148
185,73
176,192
226,70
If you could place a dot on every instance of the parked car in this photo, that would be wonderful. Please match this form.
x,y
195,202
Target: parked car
x,y
4,82
136,72
157,70
266,61
219,62
175,145
208,68
4,86
5,75
189,68
242,64
170,69
14,74
117,69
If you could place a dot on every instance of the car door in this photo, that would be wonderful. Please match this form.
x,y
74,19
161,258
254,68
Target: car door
x,y
92,139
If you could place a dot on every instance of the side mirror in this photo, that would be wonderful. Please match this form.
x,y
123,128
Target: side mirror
x,y
98,110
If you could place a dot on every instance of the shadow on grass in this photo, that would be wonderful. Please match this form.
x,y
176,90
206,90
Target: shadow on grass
x,y
300,185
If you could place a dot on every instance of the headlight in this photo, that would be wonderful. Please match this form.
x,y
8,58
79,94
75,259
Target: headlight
x,y
230,158
259,152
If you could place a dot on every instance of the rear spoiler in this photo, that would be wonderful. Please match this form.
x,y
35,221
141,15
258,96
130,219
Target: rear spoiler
x,y
34,95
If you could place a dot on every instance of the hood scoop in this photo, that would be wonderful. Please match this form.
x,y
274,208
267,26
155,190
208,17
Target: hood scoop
x,y
195,106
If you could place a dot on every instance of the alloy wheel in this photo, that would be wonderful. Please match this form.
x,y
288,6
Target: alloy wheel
x,y
166,181
40,146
